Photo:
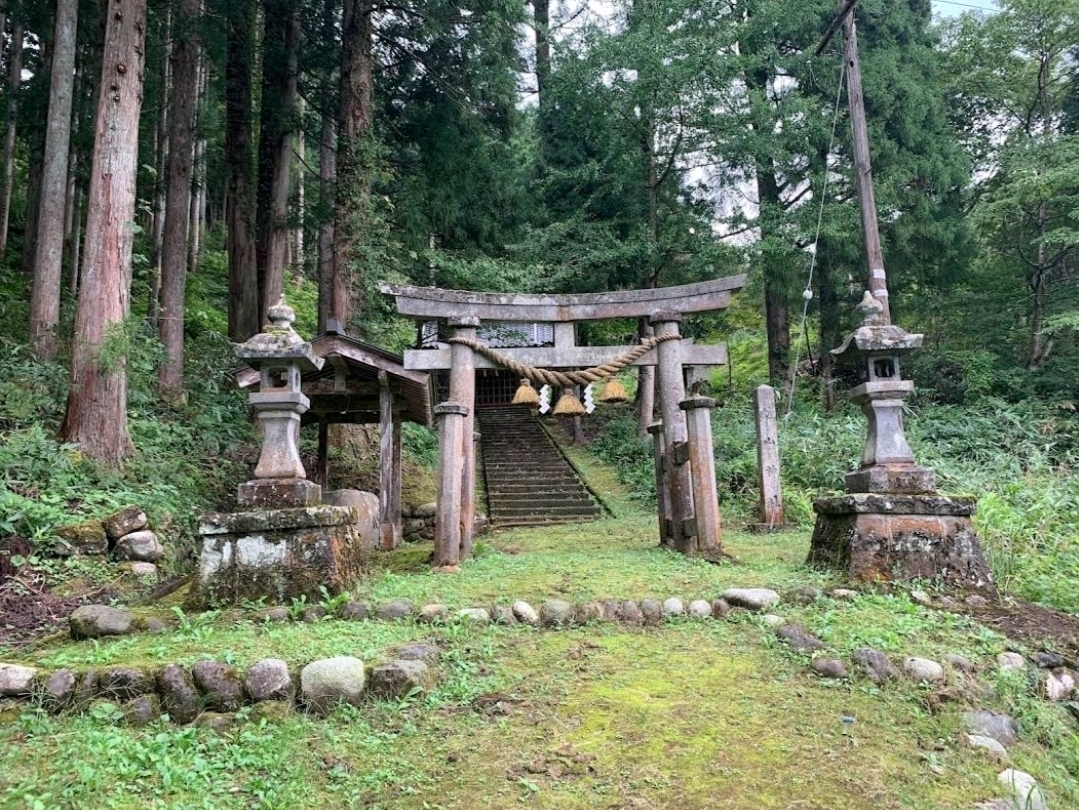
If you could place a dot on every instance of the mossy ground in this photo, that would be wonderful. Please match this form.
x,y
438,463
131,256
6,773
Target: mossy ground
x,y
693,714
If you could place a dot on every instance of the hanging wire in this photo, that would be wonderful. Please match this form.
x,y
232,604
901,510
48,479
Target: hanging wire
x,y
807,293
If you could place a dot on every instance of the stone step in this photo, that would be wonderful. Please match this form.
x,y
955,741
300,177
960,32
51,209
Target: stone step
x,y
528,481
502,468
511,522
542,502
529,487
519,511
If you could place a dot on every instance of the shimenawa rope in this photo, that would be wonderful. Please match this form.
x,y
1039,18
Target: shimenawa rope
x,y
563,379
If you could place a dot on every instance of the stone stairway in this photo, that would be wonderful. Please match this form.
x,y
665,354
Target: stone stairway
x,y
529,481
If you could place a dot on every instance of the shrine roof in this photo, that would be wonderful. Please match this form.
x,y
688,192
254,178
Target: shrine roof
x,y
346,388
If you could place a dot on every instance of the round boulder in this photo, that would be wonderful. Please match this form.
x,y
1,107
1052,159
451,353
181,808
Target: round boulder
x,y
269,679
923,670
221,685
141,546
94,621
525,613
673,607
751,598
400,678
329,681
179,697
556,613
15,680
125,521
59,690
474,615
700,609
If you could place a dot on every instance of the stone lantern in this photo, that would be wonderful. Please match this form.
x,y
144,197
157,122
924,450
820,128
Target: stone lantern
x,y
892,524
281,356
874,349
283,543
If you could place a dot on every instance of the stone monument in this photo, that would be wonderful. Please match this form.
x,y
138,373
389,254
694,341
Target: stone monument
x,y
892,524
284,543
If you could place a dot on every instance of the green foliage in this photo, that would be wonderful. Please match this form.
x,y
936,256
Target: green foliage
x,y
419,443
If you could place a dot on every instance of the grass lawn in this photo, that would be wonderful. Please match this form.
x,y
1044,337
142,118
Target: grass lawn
x,y
690,714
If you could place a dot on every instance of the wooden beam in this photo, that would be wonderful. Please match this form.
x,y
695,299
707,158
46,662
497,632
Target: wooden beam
x,y
335,344
693,354
340,373
332,387
431,302
845,9
339,403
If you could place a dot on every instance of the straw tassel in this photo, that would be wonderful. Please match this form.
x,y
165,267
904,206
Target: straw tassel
x,y
569,405
526,394
613,391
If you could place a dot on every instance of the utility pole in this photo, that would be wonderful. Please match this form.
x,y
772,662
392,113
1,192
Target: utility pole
x,y
863,170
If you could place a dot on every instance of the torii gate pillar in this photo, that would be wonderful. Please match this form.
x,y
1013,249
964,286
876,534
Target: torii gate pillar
x,y
463,392
672,391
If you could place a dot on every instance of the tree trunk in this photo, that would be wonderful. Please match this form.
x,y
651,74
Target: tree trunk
x,y
48,262
174,256
197,217
353,183
161,183
279,94
541,23
14,81
240,223
74,250
1039,346
828,301
327,167
301,171
96,414
776,311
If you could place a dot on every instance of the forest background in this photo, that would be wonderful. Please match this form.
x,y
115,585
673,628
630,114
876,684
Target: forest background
x,y
170,168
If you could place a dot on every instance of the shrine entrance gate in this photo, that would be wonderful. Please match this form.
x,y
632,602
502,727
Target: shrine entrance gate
x,y
689,519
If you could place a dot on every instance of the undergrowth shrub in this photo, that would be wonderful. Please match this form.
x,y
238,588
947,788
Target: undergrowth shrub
x,y
187,460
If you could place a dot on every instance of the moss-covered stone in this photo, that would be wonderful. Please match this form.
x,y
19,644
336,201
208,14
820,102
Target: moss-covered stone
x,y
279,555
87,537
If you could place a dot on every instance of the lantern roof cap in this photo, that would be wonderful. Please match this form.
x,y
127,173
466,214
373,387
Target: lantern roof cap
x,y
278,342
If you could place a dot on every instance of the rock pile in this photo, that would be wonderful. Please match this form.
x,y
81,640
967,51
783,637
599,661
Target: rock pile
x,y
125,535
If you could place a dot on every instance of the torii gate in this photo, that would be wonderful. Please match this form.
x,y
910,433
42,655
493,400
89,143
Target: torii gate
x,y
689,518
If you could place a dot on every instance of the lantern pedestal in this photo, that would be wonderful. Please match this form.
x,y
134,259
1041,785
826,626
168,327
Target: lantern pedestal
x,y
278,555
878,536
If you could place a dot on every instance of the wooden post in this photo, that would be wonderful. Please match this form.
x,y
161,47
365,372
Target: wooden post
x,y
663,494
395,483
702,465
385,462
863,171
671,393
463,391
771,502
322,473
451,417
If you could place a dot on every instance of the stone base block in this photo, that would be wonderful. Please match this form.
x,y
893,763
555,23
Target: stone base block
x,y
908,479
277,554
367,508
278,493
871,536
